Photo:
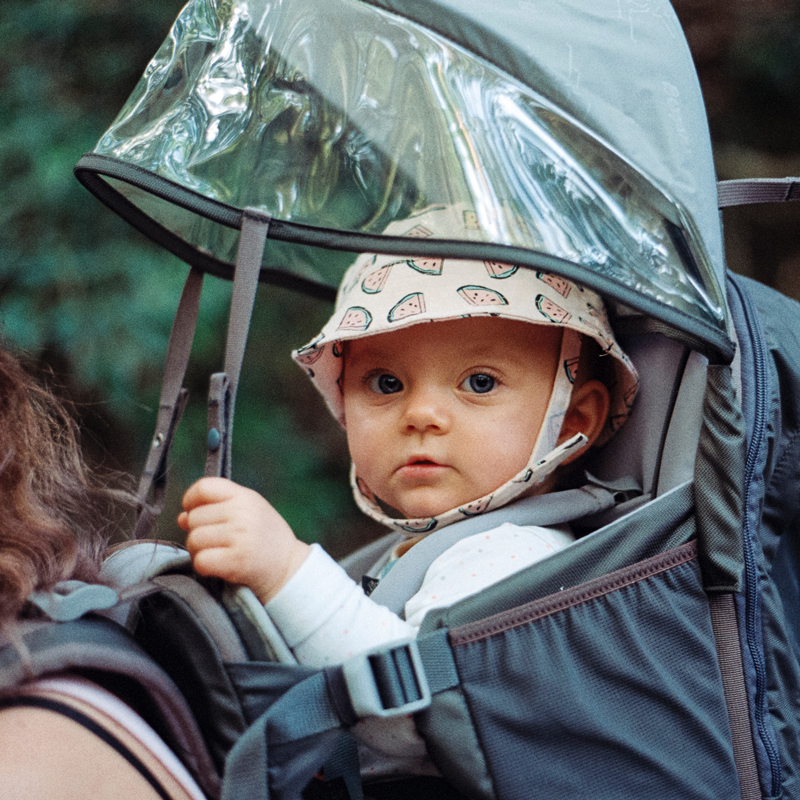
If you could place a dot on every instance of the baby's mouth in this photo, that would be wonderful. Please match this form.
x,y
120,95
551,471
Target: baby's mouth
x,y
422,461
420,467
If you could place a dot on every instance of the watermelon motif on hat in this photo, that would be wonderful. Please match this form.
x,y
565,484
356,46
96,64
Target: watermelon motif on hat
x,y
571,368
551,310
409,306
417,525
355,319
375,281
427,266
526,476
561,285
308,355
497,269
476,507
481,296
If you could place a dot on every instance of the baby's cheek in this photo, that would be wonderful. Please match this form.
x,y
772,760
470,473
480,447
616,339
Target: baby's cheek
x,y
498,456
368,454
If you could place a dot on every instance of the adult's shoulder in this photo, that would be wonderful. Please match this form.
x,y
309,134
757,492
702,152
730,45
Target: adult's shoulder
x,y
64,737
44,753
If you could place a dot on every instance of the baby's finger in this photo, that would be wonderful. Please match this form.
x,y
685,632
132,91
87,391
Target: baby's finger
x,y
213,561
221,562
208,537
209,514
209,490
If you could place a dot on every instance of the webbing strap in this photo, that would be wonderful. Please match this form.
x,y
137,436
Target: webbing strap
x,y
279,744
729,653
170,408
222,394
405,577
757,190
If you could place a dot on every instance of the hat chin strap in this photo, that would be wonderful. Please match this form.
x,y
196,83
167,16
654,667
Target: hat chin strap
x,y
546,457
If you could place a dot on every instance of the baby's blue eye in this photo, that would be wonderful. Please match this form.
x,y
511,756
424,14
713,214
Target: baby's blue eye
x,y
384,383
480,383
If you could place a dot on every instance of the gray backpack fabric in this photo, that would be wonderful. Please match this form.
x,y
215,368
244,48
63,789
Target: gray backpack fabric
x,y
196,658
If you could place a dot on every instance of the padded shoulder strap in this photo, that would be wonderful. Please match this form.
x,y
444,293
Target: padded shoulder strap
x,y
101,648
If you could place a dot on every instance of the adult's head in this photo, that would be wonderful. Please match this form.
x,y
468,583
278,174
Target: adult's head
x,y
52,525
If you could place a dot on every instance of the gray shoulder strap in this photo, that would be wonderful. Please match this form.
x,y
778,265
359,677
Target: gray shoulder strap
x,y
757,190
373,555
406,576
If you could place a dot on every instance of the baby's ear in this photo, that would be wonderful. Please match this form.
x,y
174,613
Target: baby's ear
x,y
587,413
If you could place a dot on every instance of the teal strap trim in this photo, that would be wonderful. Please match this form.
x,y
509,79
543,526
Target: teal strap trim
x,y
70,600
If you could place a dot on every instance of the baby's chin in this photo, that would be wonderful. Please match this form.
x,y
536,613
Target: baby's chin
x,y
426,510
421,510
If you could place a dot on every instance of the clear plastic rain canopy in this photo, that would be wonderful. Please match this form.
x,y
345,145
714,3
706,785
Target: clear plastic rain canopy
x,y
339,117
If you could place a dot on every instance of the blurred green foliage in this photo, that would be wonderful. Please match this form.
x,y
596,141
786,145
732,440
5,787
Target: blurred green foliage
x,y
91,300
764,68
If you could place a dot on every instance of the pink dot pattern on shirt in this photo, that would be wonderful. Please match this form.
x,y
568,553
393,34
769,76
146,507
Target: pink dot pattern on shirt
x,y
479,561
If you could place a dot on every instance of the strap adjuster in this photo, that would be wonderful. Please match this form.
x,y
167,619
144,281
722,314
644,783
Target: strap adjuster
x,y
387,683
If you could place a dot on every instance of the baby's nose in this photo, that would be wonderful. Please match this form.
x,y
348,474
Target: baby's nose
x,y
427,409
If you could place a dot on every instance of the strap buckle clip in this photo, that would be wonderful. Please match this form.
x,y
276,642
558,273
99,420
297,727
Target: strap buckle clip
x,y
387,683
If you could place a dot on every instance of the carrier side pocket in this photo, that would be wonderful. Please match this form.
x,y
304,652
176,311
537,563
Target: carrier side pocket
x,y
610,689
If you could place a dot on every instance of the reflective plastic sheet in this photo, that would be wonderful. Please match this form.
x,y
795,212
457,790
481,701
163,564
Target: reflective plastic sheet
x,y
338,118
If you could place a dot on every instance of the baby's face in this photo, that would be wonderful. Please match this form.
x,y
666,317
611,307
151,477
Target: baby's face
x,y
440,414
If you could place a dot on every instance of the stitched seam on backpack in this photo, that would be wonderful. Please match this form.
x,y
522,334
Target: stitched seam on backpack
x,y
591,590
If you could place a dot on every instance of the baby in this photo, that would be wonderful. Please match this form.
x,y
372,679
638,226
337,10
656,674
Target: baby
x,y
444,421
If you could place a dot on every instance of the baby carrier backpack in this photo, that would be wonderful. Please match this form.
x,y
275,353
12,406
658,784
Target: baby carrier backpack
x,y
657,656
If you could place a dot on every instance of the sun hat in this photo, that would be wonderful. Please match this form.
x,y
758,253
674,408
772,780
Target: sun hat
x,y
382,293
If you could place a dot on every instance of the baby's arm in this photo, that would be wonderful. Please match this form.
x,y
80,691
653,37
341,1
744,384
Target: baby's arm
x,y
236,535
325,617
322,614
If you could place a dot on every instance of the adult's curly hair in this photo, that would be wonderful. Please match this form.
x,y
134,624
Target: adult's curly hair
x,y
53,523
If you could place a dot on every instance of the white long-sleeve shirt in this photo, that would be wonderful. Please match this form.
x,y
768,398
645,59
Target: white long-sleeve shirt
x,y
325,618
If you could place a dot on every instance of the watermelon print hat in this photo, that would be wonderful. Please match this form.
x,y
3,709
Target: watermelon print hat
x,y
382,293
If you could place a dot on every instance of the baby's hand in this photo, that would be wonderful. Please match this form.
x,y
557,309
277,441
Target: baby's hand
x,y
236,535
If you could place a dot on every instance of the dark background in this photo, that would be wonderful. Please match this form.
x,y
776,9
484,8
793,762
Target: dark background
x,y
89,302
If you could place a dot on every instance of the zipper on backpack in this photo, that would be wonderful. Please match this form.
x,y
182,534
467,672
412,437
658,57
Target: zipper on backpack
x,y
752,601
